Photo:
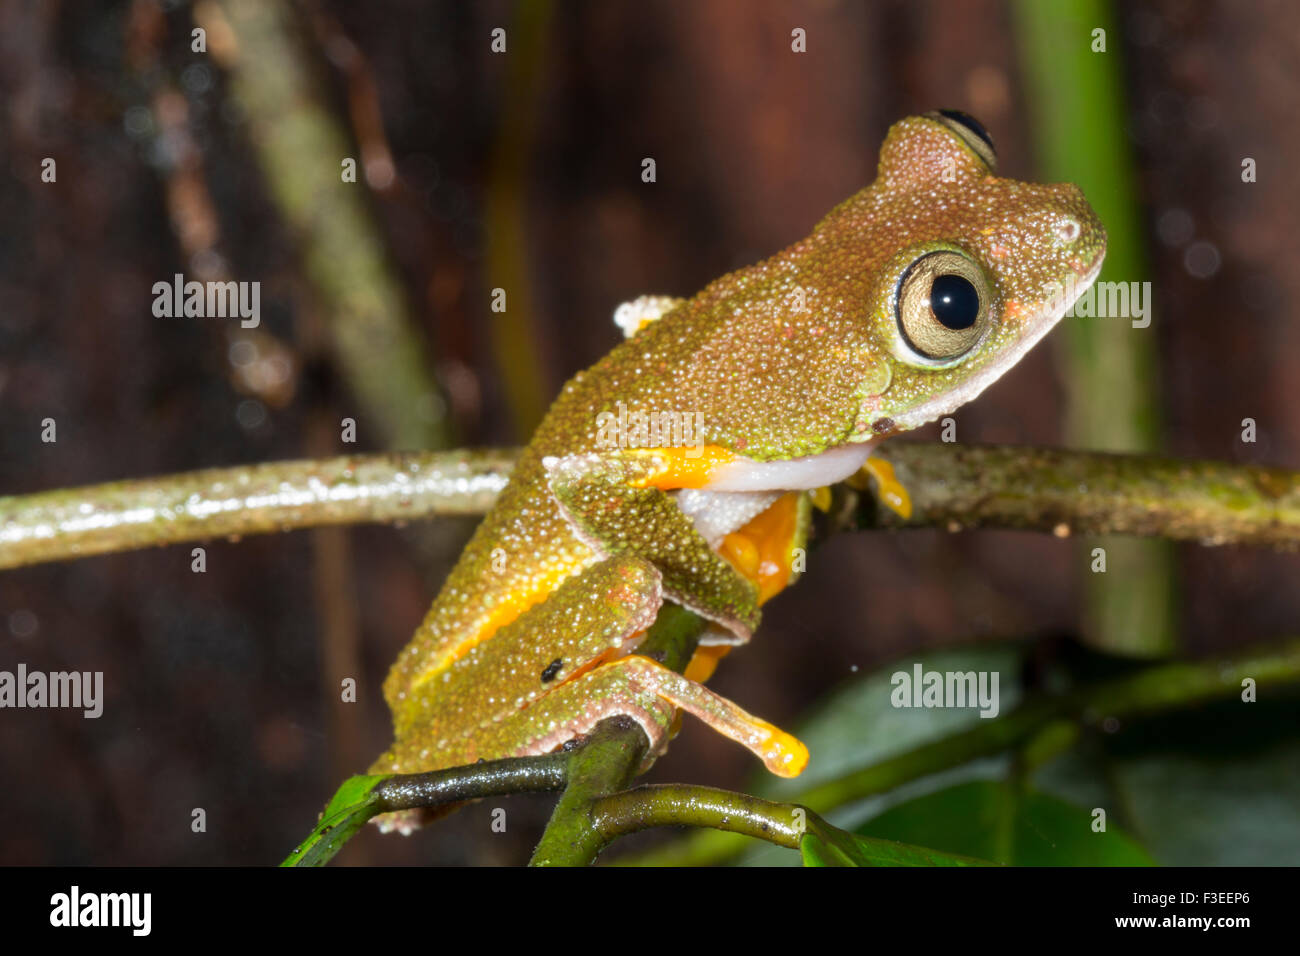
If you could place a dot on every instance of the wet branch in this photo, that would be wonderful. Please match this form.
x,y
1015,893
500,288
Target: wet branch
x,y
955,487
246,499
489,779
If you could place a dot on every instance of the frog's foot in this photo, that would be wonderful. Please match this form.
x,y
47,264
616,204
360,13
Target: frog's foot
x,y
634,316
646,691
407,822
889,489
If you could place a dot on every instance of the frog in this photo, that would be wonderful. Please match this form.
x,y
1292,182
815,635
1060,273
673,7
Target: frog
x,y
684,465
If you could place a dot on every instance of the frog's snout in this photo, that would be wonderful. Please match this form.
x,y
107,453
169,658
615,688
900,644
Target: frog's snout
x,y
1078,227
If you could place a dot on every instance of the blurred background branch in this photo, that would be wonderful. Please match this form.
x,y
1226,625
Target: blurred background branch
x,y
301,149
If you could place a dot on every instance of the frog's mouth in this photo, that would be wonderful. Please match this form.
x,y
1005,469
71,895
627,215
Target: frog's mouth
x,y
1036,327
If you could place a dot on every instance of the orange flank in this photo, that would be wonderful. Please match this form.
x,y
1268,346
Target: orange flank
x,y
684,467
761,550
507,610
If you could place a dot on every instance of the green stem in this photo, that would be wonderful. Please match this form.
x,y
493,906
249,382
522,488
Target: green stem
x,y
456,784
605,763
613,754
1072,60
619,814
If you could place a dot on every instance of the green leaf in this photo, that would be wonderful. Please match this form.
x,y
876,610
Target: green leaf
x,y
351,806
1213,786
858,725
996,821
825,845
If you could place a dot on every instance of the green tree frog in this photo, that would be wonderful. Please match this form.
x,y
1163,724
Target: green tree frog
x,y
681,467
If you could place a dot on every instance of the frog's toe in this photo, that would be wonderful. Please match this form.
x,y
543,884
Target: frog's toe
x,y
889,489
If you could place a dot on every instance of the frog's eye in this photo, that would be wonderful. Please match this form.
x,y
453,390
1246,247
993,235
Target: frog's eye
x,y
943,306
971,132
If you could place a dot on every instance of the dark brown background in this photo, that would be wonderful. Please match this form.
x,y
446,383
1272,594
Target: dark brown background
x,y
216,695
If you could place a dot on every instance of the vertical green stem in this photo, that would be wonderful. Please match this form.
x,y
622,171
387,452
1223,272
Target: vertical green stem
x,y
1079,116
613,756
515,338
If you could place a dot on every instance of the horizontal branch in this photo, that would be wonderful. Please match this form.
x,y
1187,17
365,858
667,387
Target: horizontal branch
x,y
1072,492
247,499
951,486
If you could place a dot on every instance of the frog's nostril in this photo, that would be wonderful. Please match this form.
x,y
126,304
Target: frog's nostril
x,y
1068,229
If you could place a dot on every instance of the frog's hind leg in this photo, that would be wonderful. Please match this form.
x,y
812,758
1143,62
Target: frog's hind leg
x,y
565,665
594,616
647,691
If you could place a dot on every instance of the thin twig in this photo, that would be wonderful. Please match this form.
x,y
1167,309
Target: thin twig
x,y
456,784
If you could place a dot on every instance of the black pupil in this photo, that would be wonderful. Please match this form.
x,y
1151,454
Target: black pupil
x,y
971,123
954,301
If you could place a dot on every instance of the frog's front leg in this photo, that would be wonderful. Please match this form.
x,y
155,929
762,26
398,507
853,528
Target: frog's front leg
x,y
891,492
617,503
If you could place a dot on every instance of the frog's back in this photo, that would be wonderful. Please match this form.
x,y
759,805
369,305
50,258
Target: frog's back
x,y
522,550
